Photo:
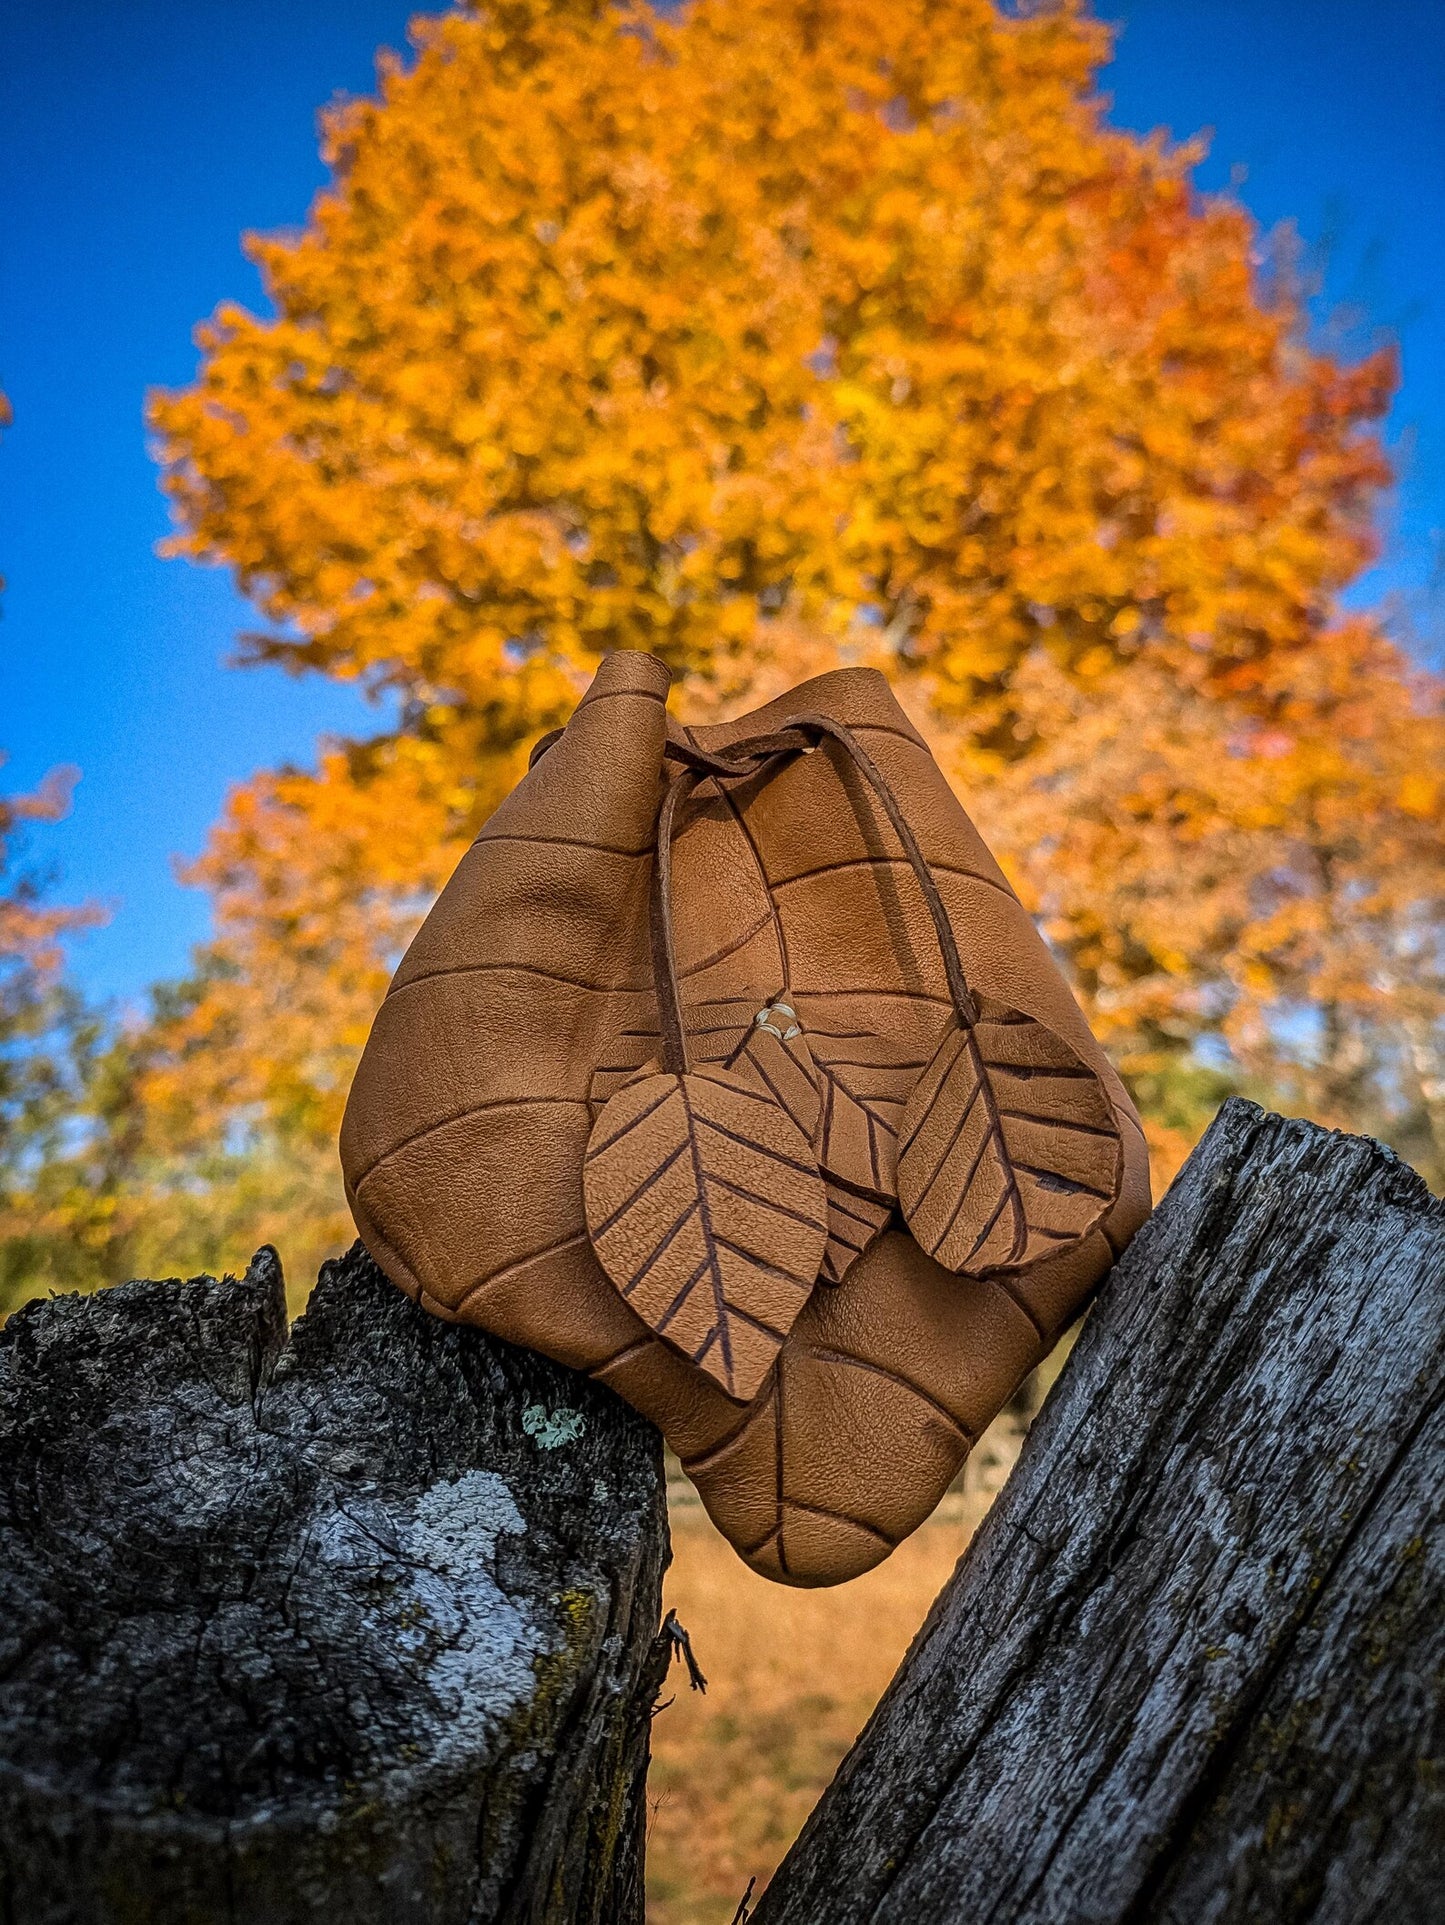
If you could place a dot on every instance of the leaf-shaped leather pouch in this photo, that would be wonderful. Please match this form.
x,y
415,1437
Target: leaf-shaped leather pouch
x,y
530,996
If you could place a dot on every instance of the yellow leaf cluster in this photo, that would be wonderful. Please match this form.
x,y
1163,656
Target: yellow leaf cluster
x,y
617,330
1270,873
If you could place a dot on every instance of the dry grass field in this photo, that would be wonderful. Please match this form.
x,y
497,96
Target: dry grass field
x,y
792,1677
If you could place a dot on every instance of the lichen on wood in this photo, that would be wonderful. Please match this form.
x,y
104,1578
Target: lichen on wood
x,y
327,1625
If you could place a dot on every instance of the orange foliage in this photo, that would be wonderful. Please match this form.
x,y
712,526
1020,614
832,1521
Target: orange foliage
x,y
317,881
1274,878
771,334
616,331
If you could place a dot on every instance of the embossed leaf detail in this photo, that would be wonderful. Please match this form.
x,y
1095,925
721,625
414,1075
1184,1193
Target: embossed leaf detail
x,y
774,1058
714,1031
778,1056
867,1079
853,1223
1009,1149
706,1209
846,1100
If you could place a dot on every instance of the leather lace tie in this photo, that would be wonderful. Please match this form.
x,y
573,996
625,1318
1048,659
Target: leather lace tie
x,y
798,735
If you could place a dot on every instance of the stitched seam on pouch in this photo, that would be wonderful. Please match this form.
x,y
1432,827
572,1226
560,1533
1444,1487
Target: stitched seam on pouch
x,y
524,969
561,842
893,862
458,1116
827,1355
522,1263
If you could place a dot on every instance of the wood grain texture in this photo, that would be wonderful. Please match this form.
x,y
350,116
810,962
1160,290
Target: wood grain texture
x,y
1191,1668
706,1210
1009,1149
356,1623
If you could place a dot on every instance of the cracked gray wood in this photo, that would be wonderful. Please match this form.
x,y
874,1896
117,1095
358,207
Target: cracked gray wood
x,y
1192,1668
356,1624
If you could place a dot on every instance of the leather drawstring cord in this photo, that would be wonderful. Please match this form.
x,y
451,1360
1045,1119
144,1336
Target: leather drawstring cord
x,y
749,757
664,949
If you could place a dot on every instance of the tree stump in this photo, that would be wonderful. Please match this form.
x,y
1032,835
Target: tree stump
x,y
356,1624
1192,1669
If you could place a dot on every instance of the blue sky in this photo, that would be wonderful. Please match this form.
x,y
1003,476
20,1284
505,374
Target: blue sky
x,y
139,138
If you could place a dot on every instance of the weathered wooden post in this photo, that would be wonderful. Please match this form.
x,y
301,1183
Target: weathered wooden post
x,y
357,1624
1192,1669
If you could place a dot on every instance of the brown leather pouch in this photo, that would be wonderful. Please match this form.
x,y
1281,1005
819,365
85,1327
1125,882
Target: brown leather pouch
x,y
728,1069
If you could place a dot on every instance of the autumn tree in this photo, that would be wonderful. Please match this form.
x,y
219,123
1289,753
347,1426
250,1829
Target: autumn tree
x,y
1249,894
31,935
779,332
99,1179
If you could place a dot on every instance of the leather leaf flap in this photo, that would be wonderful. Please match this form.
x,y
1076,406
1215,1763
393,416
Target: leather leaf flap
x,y
779,1056
1009,1149
714,1031
706,1210
844,1087
867,1077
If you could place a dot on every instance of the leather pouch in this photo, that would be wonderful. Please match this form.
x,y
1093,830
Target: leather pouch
x,y
728,1069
